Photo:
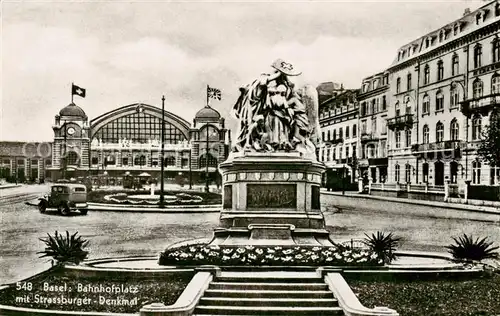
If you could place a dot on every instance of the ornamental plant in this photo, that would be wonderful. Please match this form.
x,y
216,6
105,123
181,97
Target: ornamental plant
x,y
65,248
383,244
203,254
466,248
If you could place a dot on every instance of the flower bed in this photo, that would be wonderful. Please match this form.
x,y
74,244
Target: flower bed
x,y
176,197
203,254
433,297
94,294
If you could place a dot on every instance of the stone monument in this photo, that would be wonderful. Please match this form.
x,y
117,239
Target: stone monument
x,y
272,179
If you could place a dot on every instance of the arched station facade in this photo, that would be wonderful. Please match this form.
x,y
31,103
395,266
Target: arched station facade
x,y
127,141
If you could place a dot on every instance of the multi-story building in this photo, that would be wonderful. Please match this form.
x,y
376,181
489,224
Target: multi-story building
x,y
373,104
444,87
24,161
338,117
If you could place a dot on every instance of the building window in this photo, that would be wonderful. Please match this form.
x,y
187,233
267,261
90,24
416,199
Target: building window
x,y
478,54
347,132
125,161
476,172
323,136
454,65
384,103
140,160
328,133
425,172
455,29
110,160
477,89
398,85
374,125
407,106
341,134
354,153
439,101
328,154
454,131
476,128
426,104
496,50
454,97
212,161
408,173
354,130
72,158
396,173
347,151
408,137
426,134
494,175
497,9
408,81
95,160
363,127
363,108
170,161
334,154
398,139
439,132
495,84
398,110
334,134
427,74
440,70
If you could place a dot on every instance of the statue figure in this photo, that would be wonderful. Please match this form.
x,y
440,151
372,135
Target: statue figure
x,y
272,116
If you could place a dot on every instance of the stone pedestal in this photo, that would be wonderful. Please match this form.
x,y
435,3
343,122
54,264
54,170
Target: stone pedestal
x,y
271,199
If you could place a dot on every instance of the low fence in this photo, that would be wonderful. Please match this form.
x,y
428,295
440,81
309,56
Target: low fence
x,y
484,192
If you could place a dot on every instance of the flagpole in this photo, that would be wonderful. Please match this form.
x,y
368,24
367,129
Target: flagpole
x,y
72,84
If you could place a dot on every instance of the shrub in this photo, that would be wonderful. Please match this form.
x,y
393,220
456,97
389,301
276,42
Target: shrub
x,y
383,244
466,248
65,249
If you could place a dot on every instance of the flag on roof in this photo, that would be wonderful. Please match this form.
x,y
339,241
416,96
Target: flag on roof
x,y
77,90
214,93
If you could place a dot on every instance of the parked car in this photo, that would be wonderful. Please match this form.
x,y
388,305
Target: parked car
x,y
65,197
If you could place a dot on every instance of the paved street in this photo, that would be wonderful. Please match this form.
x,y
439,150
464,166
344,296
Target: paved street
x,y
114,234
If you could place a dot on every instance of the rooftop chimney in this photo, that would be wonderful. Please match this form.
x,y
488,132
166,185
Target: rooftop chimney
x,y
466,11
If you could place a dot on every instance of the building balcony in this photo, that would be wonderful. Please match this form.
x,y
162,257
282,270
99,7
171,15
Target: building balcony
x,y
333,141
400,122
480,105
366,137
439,147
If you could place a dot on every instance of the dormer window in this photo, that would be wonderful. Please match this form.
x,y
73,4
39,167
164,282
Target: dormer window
x,y
497,9
441,36
455,29
478,18
427,42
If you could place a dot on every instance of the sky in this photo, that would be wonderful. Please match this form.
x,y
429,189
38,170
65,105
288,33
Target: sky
x,y
125,52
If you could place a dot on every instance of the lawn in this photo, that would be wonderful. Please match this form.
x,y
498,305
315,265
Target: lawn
x,y
472,297
94,294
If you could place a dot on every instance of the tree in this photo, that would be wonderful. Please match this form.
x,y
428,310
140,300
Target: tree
x,y
489,149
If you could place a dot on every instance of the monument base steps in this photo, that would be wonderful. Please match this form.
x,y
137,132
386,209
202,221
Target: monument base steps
x,y
253,293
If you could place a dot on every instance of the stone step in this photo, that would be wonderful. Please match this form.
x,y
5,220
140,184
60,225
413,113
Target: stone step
x,y
268,302
269,279
254,310
277,286
268,293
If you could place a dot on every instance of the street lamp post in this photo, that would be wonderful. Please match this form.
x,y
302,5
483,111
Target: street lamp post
x,y
162,198
206,163
190,170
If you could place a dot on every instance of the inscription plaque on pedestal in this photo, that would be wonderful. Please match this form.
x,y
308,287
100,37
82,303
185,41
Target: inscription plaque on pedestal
x,y
271,195
228,196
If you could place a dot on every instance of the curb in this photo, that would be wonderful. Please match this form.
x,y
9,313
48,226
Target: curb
x,y
112,208
131,206
462,207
